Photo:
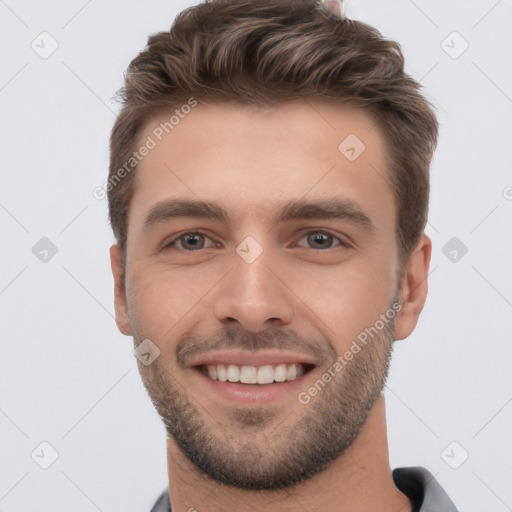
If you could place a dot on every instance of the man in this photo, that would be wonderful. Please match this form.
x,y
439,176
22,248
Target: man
x,y
268,191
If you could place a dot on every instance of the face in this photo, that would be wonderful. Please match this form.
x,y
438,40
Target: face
x,y
259,252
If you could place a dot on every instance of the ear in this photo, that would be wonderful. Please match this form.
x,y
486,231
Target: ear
x,y
116,262
414,288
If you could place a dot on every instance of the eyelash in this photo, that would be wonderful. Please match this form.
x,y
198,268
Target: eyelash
x,y
169,245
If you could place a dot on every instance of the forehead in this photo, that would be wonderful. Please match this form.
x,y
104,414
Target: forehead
x,y
241,154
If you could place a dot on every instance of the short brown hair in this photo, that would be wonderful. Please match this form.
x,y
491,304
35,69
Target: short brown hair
x,y
269,51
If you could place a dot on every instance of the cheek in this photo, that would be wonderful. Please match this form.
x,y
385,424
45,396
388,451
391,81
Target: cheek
x,y
349,298
163,301
157,302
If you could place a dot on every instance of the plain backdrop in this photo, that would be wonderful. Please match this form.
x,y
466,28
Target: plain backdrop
x,y
69,378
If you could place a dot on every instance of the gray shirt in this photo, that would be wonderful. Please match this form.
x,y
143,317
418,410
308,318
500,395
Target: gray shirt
x,y
417,483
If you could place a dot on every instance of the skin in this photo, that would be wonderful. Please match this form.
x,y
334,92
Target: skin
x,y
249,161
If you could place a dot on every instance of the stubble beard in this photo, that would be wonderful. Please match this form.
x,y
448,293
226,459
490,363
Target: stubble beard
x,y
267,448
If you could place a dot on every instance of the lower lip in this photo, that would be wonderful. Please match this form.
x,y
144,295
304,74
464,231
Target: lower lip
x,y
254,393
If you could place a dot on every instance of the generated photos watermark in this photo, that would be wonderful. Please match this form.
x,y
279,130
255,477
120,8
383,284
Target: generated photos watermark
x,y
355,347
157,135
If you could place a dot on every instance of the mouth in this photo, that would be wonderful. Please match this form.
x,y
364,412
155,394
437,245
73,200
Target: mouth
x,y
253,378
261,375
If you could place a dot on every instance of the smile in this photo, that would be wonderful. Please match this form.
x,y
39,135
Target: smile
x,y
265,374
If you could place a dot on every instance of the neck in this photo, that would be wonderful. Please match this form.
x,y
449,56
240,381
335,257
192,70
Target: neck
x,y
358,481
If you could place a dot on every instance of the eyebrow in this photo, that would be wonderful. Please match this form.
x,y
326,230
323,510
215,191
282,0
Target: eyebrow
x,y
341,208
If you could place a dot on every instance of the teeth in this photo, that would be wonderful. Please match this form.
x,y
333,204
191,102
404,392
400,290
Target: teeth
x,y
265,374
222,374
280,373
248,375
212,372
233,373
291,372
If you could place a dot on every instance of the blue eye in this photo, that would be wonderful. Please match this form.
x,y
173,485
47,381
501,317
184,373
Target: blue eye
x,y
321,240
195,241
191,241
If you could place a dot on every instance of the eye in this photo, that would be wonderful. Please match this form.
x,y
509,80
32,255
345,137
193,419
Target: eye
x,y
190,241
196,240
321,240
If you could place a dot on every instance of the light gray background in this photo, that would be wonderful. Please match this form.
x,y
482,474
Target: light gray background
x,y
69,378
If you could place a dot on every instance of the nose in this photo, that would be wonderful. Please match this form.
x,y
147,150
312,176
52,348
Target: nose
x,y
255,295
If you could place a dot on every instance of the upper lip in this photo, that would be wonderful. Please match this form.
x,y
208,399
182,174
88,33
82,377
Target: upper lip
x,y
244,358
